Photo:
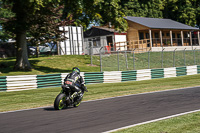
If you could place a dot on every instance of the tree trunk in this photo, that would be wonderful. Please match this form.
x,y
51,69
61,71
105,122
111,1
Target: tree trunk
x,y
22,62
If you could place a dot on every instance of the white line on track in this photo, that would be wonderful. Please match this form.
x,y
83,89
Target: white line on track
x,y
159,119
105,99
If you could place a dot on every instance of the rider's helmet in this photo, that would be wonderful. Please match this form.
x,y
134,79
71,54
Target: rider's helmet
x,y
76,69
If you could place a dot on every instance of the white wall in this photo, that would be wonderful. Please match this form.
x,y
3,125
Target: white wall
x,y
103,42
122,45
74,44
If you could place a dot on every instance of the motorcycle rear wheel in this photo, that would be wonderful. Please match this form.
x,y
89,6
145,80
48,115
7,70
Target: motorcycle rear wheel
x,y
60,101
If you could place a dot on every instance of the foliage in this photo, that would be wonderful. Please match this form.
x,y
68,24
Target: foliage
x,y
46,25
5,14
101,12
97,12
142,8
27,14
185,11
41,18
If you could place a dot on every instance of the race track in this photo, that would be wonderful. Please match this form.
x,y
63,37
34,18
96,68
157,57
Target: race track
x,y
102,115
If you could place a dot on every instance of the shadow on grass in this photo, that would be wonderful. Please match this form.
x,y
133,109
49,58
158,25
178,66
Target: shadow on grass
x,y
45,69
7,66
50,70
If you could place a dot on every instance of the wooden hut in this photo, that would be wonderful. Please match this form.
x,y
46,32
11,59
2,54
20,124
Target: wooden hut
x,y
154,33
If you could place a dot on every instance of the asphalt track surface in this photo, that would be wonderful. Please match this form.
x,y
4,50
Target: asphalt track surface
x,y
102,115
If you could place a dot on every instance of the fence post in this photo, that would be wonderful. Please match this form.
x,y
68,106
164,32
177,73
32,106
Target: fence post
x,y
134,59
162,56
100,59
126,60
194,57
118,59
184,58
91,52
149,58
174,57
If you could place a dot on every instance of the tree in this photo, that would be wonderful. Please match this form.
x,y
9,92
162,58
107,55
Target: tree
x,y
27,11
196,4
184,11
47,29
24,11
99,12
5,14
142,8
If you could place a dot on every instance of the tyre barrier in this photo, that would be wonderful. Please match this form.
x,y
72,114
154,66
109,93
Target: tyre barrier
x,y
26,82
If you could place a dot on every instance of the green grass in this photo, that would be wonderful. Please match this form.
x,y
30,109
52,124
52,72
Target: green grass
x,y
64,63
51,64
183,124
155,58
45,96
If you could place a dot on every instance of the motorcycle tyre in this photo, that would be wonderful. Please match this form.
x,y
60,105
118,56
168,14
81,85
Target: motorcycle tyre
x,y
60,100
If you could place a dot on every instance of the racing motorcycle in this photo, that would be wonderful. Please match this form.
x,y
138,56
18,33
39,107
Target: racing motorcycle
x,y
63,99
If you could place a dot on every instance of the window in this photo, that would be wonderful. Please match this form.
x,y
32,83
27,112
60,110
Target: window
x,y
186,35
178,35
141,35
173,35
156,35
96,41
147,35
167,34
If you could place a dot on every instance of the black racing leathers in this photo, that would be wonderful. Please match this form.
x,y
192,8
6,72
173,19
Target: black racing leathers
x,y
75,80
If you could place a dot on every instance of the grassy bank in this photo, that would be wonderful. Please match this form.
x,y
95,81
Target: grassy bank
x,y
64,63
150,60
51,64
183,124
45,96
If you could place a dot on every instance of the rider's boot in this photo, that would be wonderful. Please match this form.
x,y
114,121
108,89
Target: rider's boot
x,y
80,95
73,95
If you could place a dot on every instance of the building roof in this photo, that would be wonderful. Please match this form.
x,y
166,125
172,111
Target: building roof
x,y
99,31
157,23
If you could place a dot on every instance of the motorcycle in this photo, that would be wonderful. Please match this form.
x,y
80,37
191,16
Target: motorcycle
x,y
63,99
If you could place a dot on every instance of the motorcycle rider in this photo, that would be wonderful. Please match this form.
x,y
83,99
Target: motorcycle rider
x,y
74,79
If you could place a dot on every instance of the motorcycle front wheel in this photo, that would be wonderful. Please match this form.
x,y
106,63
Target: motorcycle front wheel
x,y
60,101
77,103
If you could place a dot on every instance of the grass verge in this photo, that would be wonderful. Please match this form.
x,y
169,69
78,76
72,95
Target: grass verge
x,y
188,123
